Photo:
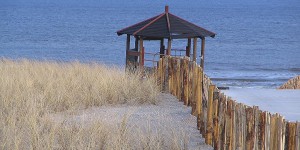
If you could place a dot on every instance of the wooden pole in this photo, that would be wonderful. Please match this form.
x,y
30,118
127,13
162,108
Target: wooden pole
x,y
160,75
143,56
141,61
283,133
169,47
223,118
268,131
182,78
279,132
257,113
170,74
249,129
209,129
262,130
185,81
162,48
216,124
165,74
190,80
297,135
243,126
199,97
233,125
202,52
195,49
136,48
174,81
291,136
188,48
127,48
229,125
194,88
239,116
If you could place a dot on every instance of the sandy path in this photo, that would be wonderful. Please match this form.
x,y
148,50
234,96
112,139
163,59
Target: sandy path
x,y
169,115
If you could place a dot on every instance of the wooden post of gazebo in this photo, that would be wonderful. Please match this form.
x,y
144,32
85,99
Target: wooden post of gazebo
x,y
162,48
195,49
188,48
127,49
141,58
202,52
169,47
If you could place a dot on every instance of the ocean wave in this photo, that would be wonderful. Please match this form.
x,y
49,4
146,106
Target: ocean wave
x,y
247,79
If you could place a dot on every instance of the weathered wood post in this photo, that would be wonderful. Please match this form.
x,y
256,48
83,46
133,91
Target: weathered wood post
x,y
178,79
127,48
202,52
170,74
256,113
209,129
190,84
229,130
268,131
169,47
290,143
274,135
262,130
224,123
221,120
188,48
141,59
194,84
162,48
160,73
182,78
175,73
185,81
233,124
165,73
250,129
216,121
298,135
283,132
280,122
195,49
199,97
239,144
194,88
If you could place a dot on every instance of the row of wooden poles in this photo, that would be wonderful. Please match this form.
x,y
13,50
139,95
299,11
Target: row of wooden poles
x,y
224,123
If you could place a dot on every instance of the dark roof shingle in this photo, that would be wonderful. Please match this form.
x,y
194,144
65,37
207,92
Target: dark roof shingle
x,y
166,25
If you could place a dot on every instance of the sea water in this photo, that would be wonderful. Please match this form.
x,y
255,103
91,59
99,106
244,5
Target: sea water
x,y
257,42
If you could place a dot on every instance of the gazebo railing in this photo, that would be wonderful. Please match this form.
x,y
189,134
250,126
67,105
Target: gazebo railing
x,y
155,58
175,52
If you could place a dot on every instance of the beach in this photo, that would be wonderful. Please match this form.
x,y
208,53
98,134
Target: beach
x,y
69,80
284,102
169,117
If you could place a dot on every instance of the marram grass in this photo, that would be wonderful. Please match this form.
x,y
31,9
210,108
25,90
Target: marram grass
x,y
31,90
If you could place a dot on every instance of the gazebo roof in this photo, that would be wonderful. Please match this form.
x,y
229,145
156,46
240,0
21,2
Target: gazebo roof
x,y
166,25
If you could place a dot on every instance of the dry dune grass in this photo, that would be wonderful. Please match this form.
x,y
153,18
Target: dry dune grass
x,y
31,90
293,83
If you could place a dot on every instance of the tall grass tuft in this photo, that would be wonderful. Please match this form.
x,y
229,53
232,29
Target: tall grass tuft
x,y
31,90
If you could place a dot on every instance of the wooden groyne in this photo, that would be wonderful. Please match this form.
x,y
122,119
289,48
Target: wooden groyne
x,y
224,123
293,83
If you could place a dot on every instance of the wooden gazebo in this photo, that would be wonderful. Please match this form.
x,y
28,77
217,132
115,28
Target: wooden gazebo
x,y
163,26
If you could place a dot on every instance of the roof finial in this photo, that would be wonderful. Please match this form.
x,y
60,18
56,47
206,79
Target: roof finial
x,y
166,9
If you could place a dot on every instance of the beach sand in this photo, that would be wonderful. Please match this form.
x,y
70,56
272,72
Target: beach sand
x,y
284,102
168,116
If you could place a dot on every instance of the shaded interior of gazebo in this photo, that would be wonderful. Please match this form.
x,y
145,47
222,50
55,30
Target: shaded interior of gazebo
x,y
164,26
